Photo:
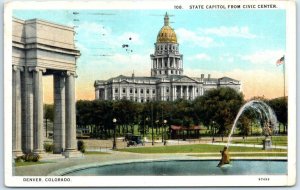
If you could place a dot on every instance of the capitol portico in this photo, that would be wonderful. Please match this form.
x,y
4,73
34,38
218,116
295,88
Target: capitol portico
x,y
167,82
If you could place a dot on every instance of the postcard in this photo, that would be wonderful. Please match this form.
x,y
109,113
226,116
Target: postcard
x,y
150,93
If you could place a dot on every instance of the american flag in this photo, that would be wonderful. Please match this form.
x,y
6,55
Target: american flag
x,y
280,61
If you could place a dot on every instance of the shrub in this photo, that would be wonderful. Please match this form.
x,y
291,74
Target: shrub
x,y
81,146
18,159
48,147
31,157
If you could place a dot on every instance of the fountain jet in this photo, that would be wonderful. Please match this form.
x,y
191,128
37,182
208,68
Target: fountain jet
x,y
264,111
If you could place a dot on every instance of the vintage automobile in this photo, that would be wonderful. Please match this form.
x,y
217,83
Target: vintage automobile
x,y
135,140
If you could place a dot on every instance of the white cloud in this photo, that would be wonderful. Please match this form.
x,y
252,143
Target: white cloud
x,y
234,31
263,57
200,57
195,39
227,58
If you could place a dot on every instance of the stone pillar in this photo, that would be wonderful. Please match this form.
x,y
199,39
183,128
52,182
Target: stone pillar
x,y
105,92
193,92
139,94
16,111
181,91
27,112
97,94
174,62
150,91
71,143
169,62
162,93
59,113
112,92
127,93
133,91
173,93
38,120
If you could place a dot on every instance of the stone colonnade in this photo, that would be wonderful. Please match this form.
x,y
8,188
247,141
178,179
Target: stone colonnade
x,y
187,92
43,48
27,108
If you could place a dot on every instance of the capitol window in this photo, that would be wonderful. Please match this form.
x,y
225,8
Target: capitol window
x,y
116,90
124,90
130,90
153,91
147,91
167,89
142,91
135,90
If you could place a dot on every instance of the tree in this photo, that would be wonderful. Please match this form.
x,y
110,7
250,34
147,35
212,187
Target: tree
x,y
49,115
219,105
279,105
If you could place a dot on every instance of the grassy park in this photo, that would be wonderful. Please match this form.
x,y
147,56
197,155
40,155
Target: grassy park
x,y
276,140
195,148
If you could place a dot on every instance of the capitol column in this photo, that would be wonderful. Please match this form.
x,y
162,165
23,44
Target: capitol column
x,y
71,143
139,94
181,91
174,92
97,94
38,120
112,92
193,92
105,92
16,111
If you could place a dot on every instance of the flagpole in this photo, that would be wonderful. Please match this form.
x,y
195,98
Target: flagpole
x,y
284,78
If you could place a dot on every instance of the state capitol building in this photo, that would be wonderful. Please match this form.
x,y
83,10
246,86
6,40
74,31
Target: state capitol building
x,y
167,81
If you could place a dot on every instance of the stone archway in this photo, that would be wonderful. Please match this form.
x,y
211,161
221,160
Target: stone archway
x,y
43,48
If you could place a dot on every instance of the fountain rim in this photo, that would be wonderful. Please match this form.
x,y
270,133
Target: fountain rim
x,y
68,170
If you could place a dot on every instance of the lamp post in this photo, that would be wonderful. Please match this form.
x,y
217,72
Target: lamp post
x,y
114,142
152,123
213,140
156,123
164,131
145,125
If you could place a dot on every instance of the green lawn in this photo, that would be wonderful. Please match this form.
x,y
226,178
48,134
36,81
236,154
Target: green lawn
x,y
17,164
196,148
95,153
276,140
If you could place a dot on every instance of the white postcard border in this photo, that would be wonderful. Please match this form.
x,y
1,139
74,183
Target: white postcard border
x,y
278,180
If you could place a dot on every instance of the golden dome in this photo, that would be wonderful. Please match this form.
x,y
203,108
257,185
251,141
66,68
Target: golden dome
x,y
166,33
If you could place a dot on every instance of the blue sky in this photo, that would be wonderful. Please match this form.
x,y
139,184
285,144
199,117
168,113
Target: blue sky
x,y
240,44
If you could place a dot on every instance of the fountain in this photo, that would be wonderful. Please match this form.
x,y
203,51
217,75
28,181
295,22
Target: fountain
x,y
270,125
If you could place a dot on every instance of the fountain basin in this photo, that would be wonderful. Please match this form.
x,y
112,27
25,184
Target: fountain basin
x,y
187,167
